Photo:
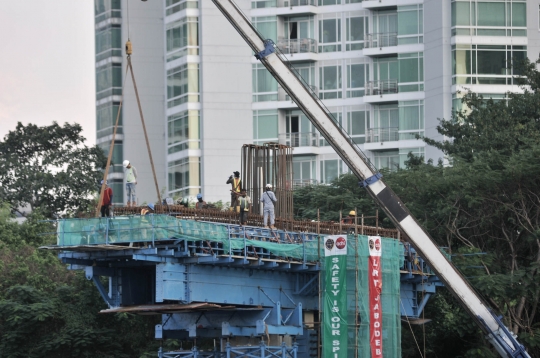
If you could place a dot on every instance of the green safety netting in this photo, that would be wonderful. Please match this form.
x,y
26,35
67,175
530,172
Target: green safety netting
x,y
121,229
358,295
159,227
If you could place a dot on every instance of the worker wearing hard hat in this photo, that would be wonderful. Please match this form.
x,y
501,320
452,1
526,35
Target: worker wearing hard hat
x,y
350,219
236,186
148,209
268,199
200,204
130,173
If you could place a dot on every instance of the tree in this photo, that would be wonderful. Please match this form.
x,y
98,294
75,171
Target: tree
x,y
49,168
48,311
485,208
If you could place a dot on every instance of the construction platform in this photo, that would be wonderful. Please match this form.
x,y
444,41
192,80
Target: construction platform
x,y
209,277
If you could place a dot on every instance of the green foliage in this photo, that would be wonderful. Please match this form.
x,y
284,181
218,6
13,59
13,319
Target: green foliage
x,y
343,195
48,168
48,311
486,201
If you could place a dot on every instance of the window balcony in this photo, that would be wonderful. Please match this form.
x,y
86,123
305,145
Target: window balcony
x,y
374,88
381,39
295,140
385,134
292,46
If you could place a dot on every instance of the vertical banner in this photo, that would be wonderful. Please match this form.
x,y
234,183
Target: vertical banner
x,y
335,297
375,290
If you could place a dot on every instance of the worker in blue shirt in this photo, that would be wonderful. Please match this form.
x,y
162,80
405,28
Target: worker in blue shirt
x,y
268,199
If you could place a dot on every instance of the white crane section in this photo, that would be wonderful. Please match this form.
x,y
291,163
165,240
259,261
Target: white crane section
x,y
503,341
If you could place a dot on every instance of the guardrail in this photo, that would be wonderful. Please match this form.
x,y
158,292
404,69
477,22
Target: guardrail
x,y
290,46
374,88
381,39
387,134
295,140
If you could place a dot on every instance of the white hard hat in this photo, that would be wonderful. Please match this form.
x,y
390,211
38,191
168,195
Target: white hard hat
x,y
269,186
125,163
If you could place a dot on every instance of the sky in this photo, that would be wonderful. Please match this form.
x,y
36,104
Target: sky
x,y
47,64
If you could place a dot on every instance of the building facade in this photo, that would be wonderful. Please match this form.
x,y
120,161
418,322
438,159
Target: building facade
x,y
386,69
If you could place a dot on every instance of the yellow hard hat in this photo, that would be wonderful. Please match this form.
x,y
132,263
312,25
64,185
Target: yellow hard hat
x,y
352,213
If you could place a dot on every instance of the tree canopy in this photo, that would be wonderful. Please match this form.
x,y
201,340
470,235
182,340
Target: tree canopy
x,y
48,168
484,208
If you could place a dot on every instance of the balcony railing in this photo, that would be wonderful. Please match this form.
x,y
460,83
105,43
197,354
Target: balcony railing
x,y
299,183
289,46
381,87
386,134
306,139
381,39
291,3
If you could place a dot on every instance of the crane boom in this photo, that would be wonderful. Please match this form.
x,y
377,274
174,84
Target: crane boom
x,y
501,338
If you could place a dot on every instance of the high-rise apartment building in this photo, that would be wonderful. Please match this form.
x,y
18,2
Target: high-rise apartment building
x,y
387,70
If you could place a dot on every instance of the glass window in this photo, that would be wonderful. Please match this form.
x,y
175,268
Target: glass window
x,y
108,38
108,80
356,79
184,174
183,131
265,126
182,38
489,18
329,2
519,14
411,72
411,119
356,125
385,124
304,170
356,29
106,119
386,159
259,4
264,85
330,82
173,6
330,35
117,156
410,24
266,25
461,13
491,13
330,169
486,64
183,84
105,9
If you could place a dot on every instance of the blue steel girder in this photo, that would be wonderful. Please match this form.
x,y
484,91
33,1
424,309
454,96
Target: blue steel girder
x,y
236,322
244,285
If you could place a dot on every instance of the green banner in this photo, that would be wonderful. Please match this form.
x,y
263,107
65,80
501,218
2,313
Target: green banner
x,y
335,298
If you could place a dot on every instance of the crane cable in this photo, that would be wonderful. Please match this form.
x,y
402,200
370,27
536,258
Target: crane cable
x,y
129,51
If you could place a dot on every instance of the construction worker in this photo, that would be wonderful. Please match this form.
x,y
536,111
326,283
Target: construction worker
x,y
130,173
236,185
200,204
349,219
268,199
149,209
106,201
244,202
